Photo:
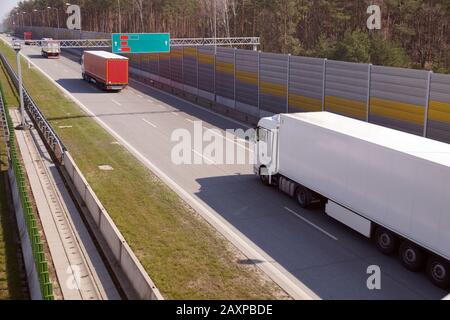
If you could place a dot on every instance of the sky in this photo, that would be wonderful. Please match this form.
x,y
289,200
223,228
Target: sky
x,y
6,6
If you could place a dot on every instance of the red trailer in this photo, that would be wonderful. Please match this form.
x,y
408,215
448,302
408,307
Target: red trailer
x,y
27,36
108,70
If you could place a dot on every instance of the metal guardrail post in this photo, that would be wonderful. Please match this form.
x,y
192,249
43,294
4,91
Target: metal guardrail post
x,y
369,83
259,83
234,76
427,104
324,81
214,76
288,81
182,67
197,68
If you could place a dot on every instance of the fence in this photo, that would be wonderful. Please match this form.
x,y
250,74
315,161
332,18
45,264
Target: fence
x,y
33,249
258,84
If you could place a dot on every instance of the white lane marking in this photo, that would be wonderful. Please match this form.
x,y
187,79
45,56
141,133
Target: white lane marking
x,y
311,224
116,102
220,134
244,125
148,122
293,286
206,158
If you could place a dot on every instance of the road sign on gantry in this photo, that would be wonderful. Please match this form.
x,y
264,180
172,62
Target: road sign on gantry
x,y
140,42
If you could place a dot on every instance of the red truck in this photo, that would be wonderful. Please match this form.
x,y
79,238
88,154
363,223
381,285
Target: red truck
x,y
108,70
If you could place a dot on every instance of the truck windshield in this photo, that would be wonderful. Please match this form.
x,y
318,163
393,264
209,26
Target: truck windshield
x,y
261,134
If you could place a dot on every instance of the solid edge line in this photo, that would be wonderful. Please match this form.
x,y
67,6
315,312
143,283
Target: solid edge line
x,y
289,281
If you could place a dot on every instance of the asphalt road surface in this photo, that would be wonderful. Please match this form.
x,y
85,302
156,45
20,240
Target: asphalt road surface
x,y
299,248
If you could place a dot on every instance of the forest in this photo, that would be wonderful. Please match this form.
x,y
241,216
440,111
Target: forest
x,y
414,33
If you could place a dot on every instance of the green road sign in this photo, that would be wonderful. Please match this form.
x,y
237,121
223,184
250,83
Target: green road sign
x,y
140,42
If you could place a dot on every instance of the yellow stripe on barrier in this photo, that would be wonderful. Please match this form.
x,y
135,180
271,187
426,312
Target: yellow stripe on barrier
x,y
347,107
305,103
205,58
225,67
176,53
191,52
439,111
274,89
397,110
247,77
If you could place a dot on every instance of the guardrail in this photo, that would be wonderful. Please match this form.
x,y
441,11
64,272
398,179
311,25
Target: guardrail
x,y
131,274
36,264
49,135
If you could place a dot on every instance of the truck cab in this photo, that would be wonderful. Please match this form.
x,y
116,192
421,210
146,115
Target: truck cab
x,y
50,48
266,148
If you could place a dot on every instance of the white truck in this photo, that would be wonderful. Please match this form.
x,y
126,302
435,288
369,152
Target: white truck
x,y
388,185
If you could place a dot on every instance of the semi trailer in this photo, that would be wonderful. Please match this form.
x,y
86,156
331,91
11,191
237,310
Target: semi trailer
x,y
390,186
27,36
107,70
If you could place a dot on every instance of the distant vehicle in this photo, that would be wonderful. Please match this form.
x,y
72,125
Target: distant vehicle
x,y
50,48
27,36
108,70
388,185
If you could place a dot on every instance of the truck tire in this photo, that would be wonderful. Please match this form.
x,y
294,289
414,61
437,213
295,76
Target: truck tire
x,y
438,270
264,177
411,256
385,240
303,196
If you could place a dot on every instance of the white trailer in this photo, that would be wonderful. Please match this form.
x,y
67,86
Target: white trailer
x,y
386,184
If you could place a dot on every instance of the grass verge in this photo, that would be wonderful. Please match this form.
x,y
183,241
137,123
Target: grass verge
x,y
10,274
185,256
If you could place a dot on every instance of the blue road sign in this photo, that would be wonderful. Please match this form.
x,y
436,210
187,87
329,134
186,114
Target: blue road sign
x,y
140,42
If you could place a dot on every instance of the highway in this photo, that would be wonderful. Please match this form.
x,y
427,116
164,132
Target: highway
x,y
298,248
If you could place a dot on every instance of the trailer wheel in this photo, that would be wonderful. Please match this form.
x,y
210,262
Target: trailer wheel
x,y
412,256
385,240
438,270
303,196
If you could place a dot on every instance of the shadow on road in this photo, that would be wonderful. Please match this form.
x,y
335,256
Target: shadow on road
x,y
333,269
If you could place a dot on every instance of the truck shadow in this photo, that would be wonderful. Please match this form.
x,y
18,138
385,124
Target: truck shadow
x,y
78,85
36,56
331,268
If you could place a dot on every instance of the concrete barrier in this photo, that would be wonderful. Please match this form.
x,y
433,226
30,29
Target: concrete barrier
x,y
133,278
